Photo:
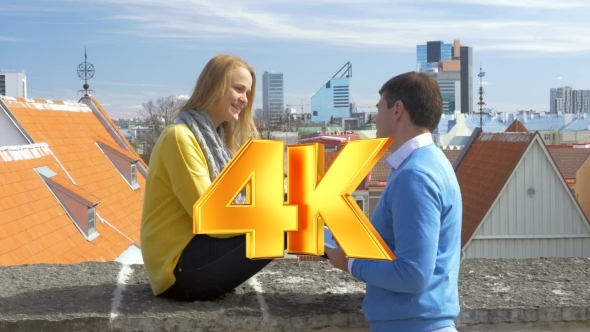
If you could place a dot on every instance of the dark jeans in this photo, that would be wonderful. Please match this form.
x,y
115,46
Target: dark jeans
x,y
211,267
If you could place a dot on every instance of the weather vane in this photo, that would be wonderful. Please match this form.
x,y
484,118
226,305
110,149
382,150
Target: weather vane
x,y
481,117
85,72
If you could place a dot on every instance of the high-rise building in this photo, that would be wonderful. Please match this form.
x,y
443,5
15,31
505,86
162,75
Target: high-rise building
x,y
466,59
552,96
13,83
446,63
273,98
581,101
333,98
432,52
561,100
451,94
568,100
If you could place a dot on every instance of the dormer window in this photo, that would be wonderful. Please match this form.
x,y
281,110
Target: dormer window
x,y
79,204
124,161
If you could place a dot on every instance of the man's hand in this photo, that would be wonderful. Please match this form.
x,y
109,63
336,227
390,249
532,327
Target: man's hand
x,y
337,258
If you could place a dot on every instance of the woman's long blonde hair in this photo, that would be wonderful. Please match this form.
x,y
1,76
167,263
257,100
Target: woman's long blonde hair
x,y
209,90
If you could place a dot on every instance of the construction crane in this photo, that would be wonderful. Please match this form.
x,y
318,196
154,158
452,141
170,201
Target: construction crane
x,y
298,105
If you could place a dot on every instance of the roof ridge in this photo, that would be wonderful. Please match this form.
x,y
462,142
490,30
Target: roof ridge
x,y
47,104
24,152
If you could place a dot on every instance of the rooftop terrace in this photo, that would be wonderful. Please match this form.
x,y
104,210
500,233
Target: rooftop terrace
x,y
495,295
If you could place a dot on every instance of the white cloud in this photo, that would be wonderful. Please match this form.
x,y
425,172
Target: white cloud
x,y
560,78
10,39
126,84
537,4
485,83
366,24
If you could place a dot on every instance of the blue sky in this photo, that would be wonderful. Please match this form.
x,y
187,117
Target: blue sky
x,y
145,49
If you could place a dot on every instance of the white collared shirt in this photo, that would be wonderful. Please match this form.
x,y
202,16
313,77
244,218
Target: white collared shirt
x,y
399,156
404,151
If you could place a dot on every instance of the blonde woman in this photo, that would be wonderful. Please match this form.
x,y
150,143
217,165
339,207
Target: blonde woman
x,y
212,125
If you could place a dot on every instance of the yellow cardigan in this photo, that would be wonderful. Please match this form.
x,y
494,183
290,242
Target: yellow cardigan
x,y
178,175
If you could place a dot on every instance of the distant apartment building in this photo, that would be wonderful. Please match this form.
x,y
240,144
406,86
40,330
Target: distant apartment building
x,y
451,66
333,99
13,83
273,98
581,101
568,100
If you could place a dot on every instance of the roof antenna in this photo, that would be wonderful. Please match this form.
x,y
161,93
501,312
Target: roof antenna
x,y
85,72
484,117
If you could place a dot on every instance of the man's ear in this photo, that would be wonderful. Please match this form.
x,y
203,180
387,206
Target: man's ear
x,y
397,109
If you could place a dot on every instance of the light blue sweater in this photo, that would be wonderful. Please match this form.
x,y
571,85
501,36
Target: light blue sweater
x,y
419,217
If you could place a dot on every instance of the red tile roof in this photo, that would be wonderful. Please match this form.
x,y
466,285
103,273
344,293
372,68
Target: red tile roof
x,y
568,160
72,131
516,127
484,170
451,154
379,173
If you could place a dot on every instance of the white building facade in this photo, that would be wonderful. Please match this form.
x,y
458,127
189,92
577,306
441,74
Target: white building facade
x,y
13,83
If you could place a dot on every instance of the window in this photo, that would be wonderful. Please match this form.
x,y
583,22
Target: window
x,y
92,220
78,204
133,174
360,203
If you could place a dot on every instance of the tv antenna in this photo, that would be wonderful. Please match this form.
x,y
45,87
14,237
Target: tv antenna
x,y
481,117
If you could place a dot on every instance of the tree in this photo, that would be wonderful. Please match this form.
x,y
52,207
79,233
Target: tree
x,y
158,115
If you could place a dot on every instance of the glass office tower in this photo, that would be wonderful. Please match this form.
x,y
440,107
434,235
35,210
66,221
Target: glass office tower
x,y
333,99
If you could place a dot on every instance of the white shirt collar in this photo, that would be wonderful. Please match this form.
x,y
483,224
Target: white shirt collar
x,y
404,151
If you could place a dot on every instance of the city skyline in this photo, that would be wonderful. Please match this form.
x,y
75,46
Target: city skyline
x,y
146,49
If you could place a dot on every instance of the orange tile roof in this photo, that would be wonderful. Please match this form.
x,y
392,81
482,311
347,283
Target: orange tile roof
x,y
122,152
516,127
72,131
484,170
568,160
35,228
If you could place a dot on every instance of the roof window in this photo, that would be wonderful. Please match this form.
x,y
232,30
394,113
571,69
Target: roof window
x,y
79,204
124,161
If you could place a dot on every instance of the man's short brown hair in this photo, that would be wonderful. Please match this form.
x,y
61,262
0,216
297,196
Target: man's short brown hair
x,y
420,94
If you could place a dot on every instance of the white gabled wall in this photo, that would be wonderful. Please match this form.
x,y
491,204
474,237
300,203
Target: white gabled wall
x,y
548,224
10,134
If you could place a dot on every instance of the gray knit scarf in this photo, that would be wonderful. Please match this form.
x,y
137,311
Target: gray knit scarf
x,y
211,141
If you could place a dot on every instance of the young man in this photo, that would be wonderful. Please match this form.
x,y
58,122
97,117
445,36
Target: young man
x,y
418,216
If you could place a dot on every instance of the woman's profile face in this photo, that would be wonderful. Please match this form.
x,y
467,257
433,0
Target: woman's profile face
x,y
235,98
